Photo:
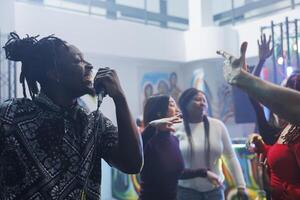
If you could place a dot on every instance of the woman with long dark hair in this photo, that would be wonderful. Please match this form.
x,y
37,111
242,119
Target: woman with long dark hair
x,y
163,161
203,140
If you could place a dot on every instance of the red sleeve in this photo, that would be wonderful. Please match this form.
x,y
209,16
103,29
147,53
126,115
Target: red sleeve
x,y
266,149
296,151
293,191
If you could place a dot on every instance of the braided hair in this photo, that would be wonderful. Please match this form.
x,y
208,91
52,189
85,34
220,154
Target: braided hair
x,y
293,81
184,100
36,56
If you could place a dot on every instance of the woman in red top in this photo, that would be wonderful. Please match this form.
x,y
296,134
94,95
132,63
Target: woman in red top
x,y
283,156
283,161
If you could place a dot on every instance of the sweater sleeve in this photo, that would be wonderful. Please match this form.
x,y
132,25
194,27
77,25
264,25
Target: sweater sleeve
x,y
193,173
230,156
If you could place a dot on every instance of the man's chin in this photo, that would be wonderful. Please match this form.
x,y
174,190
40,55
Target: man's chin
x,y
91,91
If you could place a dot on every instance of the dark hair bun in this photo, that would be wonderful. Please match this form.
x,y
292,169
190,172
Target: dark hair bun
x,y
17,49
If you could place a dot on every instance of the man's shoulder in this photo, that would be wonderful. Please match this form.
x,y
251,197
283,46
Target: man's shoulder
x,y
15,108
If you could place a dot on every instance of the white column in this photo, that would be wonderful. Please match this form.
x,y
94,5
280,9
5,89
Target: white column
x,y
200,13
207,13
7,16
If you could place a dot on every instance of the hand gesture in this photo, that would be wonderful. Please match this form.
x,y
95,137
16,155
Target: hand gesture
x,y
109,80
165,124
264,50
255,143
233,66
214,178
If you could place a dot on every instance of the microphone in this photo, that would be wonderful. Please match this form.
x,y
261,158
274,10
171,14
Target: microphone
x,y
100,92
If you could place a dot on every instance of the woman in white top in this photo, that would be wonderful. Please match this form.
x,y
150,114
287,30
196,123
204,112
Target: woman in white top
x,y
203,140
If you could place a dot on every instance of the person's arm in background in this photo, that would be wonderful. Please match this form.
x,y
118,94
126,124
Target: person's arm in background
x,y
282,101
193,173
203,173
267,131
264,52
259,145
233,163
163,124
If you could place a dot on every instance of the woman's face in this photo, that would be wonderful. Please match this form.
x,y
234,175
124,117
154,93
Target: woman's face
x,y
197,105
172,108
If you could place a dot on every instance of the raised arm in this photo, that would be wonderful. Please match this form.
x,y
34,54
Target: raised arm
x,y
267,131
127,155
280,100
163,124
264,52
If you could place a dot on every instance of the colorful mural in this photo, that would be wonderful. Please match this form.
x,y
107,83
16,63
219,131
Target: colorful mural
x,y
159,83
126,187
219,106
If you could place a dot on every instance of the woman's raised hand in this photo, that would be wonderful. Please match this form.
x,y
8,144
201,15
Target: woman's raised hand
x,y
165,124
232,65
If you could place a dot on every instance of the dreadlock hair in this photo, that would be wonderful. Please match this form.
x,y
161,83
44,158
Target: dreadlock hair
x,y
184,100
156,107
36,56
293,81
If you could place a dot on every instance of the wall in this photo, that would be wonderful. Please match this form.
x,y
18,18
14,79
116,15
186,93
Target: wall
x,y
121,38
94,34
7,19
202,43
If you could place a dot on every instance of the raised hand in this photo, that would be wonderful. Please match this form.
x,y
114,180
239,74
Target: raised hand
x,y
255,144
233,66
165,124
264,49
108,78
